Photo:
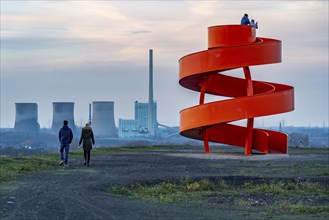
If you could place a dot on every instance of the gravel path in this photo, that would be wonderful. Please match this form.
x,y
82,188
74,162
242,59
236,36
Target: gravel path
x,y
78,192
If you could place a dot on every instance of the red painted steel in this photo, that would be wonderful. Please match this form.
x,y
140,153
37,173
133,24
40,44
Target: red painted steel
x,y
231,47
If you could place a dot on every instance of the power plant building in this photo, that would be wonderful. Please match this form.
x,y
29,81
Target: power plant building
x,y
145,123
26,119
63,111
138,127
103,119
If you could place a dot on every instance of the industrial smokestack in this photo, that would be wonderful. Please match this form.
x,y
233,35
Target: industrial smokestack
x,y
62,111
103,119
26,118
150,126
89,120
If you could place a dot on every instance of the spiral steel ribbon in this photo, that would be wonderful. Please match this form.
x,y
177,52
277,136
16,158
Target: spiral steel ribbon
x,y
231,47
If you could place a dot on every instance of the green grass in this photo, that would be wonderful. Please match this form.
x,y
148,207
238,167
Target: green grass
x,y
142,191
286,188
11,167
200,191
165,192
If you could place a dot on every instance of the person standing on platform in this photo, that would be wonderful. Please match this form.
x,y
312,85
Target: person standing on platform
x,y
245,20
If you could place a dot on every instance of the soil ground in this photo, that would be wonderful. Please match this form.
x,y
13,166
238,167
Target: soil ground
x,y
79,192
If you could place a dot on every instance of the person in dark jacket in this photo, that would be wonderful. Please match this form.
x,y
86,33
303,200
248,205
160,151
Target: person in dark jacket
x,y
245,20
87,137
65,136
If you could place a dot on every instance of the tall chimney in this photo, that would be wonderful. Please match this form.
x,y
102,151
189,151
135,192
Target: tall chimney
x,y
89,120
151,102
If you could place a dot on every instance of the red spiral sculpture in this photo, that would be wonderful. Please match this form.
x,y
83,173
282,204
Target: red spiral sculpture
x,y
231,47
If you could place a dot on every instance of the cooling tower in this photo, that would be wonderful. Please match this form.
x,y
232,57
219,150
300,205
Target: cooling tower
x,y
103,119
26,118
62,111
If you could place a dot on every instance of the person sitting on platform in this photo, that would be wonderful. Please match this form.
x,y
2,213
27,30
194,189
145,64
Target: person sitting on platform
x,y
253,24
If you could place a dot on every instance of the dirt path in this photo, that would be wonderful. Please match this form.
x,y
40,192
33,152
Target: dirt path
x,y
78,192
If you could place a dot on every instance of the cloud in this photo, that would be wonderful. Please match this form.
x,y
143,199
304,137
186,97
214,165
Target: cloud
x,y
204,8
103,46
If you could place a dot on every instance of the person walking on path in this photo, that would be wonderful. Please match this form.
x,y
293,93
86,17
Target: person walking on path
x,y
245,20
65,136
87,137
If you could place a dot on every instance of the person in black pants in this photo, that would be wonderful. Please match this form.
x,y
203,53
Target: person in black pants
x,y
87,137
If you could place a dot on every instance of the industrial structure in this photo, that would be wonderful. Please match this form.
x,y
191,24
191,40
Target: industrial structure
x,y
145,122
26,119
139,126
63,111
103,119
230,47
150,119
89,118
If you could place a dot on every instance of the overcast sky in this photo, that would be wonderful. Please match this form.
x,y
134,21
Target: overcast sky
x,y
85,51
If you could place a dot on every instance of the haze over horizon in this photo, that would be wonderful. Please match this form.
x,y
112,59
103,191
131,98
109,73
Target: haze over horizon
x,y
85,51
